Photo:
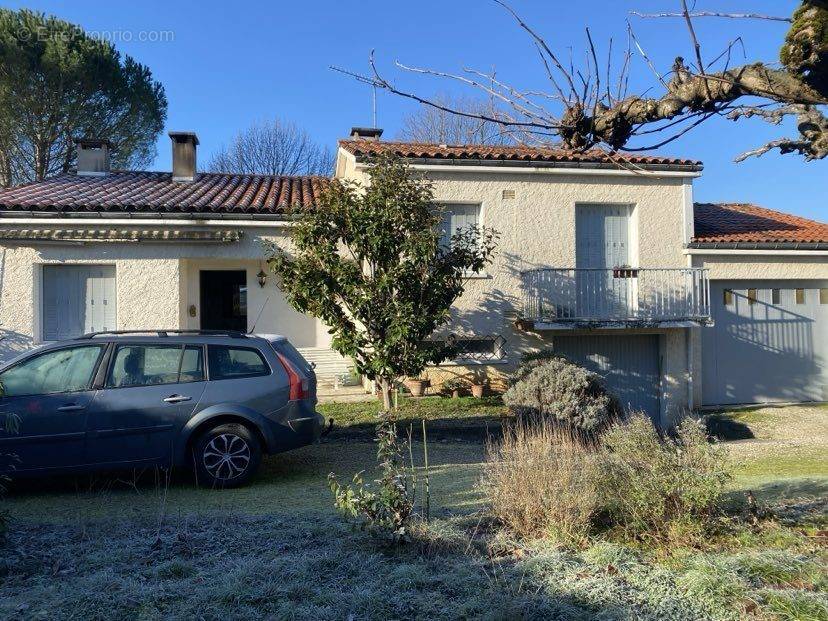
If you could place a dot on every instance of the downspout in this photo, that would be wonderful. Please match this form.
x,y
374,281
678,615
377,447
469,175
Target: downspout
x,y
689,347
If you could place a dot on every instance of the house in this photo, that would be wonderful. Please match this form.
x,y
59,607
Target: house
x,y
607,260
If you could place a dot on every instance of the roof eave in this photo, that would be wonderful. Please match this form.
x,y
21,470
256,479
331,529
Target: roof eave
x,y
14,212
362,158
711,245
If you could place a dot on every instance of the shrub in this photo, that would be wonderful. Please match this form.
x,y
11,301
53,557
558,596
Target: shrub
x,y
551,387
385,508
539,481
658,486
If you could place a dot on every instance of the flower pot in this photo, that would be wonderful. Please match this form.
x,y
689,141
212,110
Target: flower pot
x,y
477,390
417,387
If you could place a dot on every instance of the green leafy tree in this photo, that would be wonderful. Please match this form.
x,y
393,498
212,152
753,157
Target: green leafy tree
x,y
368,261
58,84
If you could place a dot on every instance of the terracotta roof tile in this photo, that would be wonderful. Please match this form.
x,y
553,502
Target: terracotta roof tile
x,y
423,150
741,222
148,192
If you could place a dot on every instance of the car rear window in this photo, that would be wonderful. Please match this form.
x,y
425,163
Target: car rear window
x,y
226,362
292,354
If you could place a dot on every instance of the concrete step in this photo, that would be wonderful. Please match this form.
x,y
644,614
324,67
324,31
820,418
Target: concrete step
x,y
330,367
343,394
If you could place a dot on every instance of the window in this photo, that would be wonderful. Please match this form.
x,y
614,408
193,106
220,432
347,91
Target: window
x,y
727,297
800,296
752,296
77,299
823,295
192,365
776,296
456,217
483,348
64,370
233,362
151,365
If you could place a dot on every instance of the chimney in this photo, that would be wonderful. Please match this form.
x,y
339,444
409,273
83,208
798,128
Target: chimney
x,y
183,155
93,156
366,133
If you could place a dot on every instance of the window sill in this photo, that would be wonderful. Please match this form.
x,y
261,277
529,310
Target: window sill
x,y
469,362
476,275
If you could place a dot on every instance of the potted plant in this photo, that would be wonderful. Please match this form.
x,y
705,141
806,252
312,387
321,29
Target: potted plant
x,y
478,383
417,385
453,386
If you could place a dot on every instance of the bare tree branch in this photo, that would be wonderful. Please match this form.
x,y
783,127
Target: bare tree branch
x,y
811,124
429,124
714,14
695,40
540,41
386,85
644,56
588,115
274,147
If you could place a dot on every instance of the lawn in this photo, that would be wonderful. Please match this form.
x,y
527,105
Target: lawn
x,y
147,548
463,417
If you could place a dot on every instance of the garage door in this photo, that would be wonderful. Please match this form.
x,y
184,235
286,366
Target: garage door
x,y
769,342
628,364
77,299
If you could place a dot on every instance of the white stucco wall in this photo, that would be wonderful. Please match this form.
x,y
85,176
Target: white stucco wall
x,y
146,281
537,229
759,266
156,284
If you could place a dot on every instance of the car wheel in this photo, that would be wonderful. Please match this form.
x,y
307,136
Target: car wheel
x,y
226,456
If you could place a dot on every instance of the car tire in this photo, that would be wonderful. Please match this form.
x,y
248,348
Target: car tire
x,y
225,456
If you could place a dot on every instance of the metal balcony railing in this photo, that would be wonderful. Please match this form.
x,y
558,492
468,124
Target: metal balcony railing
x,y
622,294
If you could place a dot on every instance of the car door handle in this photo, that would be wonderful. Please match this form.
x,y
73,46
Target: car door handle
x,y
71,407
177,399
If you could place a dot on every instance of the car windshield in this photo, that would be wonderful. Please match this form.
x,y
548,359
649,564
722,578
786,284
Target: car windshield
x,y
63,370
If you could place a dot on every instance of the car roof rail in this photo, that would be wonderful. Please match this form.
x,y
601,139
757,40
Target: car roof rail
x,y
166,332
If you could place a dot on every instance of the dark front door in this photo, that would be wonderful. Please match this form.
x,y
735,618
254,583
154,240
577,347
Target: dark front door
x,y
224,300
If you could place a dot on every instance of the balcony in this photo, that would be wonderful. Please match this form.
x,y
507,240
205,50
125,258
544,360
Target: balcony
x,y
622,297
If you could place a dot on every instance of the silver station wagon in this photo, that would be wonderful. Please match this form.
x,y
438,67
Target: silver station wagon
x,y
212,401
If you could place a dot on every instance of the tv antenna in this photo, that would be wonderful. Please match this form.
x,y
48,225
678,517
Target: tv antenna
x,y
372,82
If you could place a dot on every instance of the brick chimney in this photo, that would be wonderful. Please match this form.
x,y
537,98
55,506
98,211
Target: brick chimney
x,y
184,155
93,156
366,133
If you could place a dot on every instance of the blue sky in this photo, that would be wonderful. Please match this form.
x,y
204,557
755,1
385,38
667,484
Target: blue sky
x,y
229,64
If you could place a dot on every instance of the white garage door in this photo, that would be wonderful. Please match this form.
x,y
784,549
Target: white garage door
x,y
77,299
769,342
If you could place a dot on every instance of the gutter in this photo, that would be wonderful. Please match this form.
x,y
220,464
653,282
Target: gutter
x,y
744,248
151,219
546,168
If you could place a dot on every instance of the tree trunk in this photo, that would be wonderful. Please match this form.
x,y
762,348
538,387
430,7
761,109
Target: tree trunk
x,y
5,171
385,390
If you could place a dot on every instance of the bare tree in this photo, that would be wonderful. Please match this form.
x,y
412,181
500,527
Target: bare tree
x,y
590,105
436,125
275,147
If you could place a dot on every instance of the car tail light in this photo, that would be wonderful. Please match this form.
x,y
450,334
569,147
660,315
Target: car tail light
x,y
298,385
